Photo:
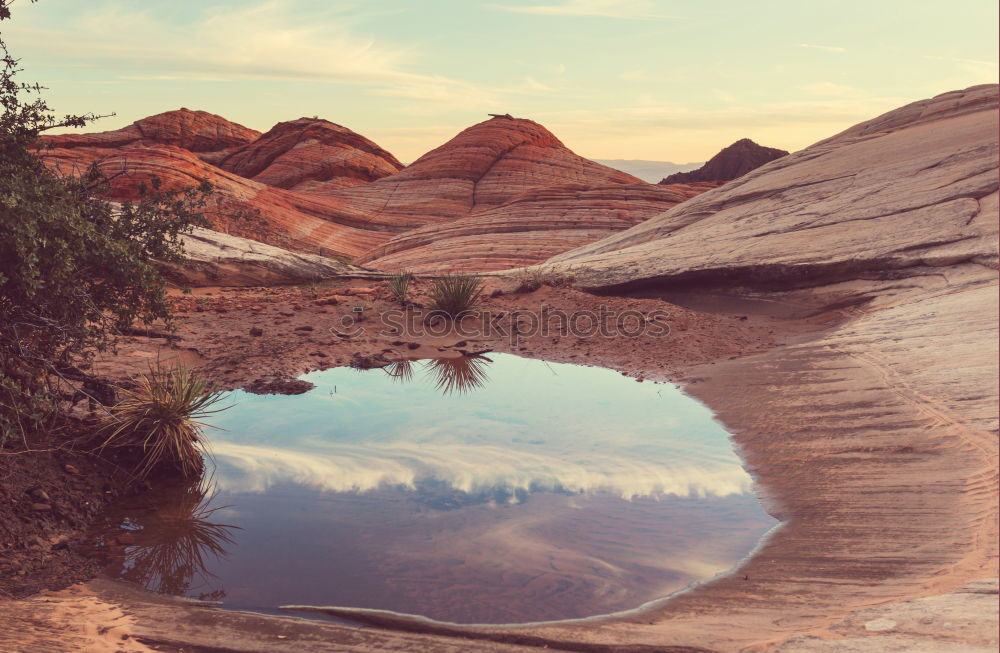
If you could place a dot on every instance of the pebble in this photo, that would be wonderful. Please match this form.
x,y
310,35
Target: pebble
x,y
879,625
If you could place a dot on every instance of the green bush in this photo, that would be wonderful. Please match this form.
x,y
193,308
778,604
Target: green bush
x,y
74,270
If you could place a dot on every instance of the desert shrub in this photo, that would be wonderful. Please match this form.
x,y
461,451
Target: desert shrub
x,y
159,420
74,270
456,294
399,285
531,279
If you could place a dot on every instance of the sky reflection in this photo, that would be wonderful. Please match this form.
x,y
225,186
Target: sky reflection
x,y
529,426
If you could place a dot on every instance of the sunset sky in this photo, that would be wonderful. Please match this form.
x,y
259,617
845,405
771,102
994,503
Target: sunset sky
x,y
670,80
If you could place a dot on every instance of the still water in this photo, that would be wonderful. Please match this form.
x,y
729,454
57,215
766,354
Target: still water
x,y
474,489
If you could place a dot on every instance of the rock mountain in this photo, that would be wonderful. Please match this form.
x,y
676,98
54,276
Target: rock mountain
x,y
731,163
500,194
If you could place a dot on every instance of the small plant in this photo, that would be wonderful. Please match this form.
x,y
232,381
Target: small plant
x,y
160,418
456,294
399,285
531,279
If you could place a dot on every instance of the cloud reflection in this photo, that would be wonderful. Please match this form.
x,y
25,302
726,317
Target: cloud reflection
x,y
361,468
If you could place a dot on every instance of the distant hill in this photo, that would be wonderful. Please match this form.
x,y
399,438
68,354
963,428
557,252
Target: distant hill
x,y
730,163
651,171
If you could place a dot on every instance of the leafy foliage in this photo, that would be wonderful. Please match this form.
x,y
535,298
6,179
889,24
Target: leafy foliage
x,y
74,269
456,294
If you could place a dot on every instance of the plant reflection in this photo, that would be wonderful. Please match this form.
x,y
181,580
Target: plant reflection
x,y
400,370
165,547
459,374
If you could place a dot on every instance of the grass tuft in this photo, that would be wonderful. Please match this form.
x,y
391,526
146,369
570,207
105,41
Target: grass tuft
x,y
456,294
160,418
399,285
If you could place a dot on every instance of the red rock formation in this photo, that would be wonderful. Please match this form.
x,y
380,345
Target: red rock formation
x,y
730,163
529,229
484,166
311,155
209,136
311,182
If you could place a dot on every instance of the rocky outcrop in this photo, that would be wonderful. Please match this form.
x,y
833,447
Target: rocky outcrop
x,y
874,438
913,188
310,181
209,136
311,155
528,229
482,167
217,259
730,163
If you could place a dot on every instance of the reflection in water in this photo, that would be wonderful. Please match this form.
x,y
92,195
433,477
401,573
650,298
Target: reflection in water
x,y
552,491
535,427
167,549
459,375
400,370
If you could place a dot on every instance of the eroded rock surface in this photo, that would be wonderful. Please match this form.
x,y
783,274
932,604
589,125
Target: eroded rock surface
x,y
217,259
320,188
210,136
311,155
528,229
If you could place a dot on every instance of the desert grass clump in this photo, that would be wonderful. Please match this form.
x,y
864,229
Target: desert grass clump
x,y
159,418
456,294
399,285
531,279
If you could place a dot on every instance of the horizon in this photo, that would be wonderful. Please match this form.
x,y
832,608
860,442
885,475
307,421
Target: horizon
x,y
708,75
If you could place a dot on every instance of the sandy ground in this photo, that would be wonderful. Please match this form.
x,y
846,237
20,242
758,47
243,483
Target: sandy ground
x,y
885,497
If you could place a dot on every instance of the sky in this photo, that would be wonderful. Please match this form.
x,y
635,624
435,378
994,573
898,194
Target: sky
x,y
666,80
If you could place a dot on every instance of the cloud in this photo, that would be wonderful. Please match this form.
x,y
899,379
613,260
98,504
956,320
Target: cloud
x,y
533,84
987,70
343,467
830,89
824,48
260,41
633,9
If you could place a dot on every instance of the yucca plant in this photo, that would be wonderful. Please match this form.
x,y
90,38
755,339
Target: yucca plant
x,y
161,417
399,285
456,294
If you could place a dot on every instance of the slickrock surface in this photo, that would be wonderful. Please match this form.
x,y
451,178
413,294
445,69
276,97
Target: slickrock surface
x,y
528,229
876,441
217,259
730,163
311,155
210,136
